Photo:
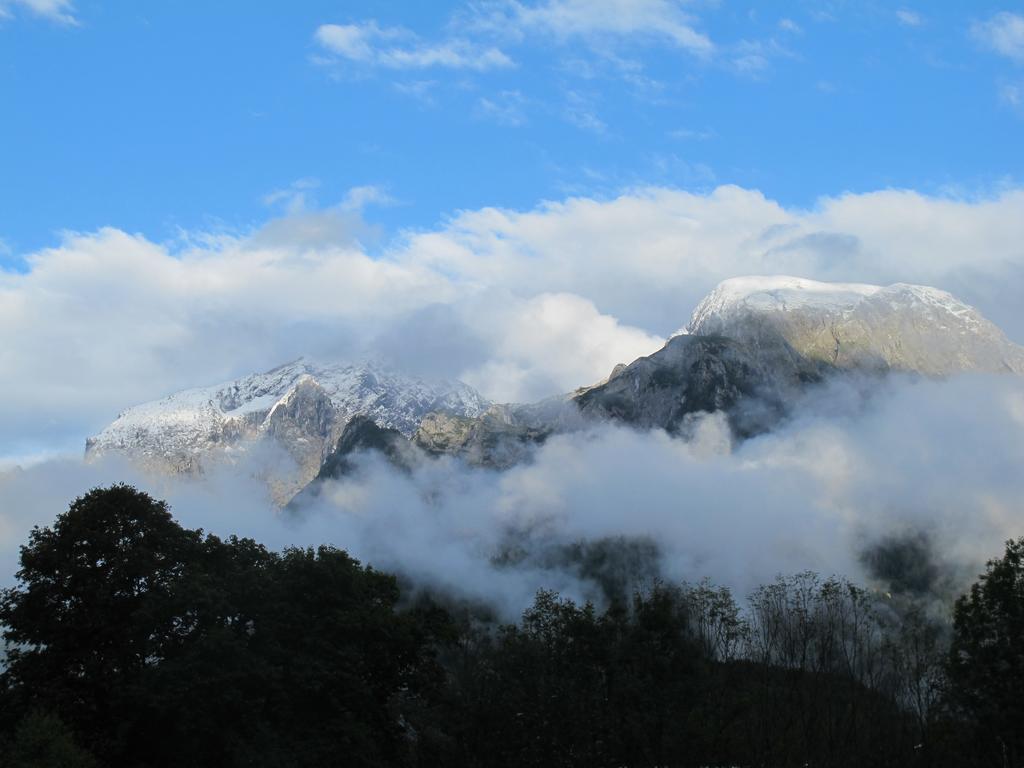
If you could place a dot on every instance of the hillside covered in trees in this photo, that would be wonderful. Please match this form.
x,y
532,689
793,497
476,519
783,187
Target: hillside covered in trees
x,y
132,641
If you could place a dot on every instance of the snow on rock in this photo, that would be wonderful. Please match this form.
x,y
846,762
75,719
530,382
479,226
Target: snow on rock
x,y
852,325
302,405
776,292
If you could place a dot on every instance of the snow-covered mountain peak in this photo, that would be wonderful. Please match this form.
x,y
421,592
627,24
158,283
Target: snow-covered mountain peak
x,y
302,405
902,326
776,292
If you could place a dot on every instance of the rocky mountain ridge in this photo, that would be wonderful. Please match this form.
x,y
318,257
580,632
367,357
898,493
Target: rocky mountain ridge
x,y
301,407
751,347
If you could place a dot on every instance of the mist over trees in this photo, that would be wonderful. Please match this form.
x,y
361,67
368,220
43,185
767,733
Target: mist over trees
x,y
133,641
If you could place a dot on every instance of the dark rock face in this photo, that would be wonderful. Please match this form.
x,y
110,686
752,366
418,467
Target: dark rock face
x,y
688,376
303,423
361,435
497,440
694,374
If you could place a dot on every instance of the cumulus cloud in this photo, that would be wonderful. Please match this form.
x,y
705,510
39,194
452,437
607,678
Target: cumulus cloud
x,y
522,304
370,44
60,11
647,257
1002,33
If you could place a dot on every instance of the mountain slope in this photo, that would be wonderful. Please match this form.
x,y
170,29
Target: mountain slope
x,y
302,407
698,374
752,346
900,327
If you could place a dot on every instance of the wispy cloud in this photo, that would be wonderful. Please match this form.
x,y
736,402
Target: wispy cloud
x,y
370,44
579,110
1003,34
358,198
60,11
909,18
689,134
1012,94
594,21
753,58
294,197
788,25
505,108
420,90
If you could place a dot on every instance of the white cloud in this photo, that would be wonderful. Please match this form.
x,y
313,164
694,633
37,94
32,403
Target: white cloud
x,y
788,25
1011,94
909,18
358,198
504,108
596,21
523,304
396,48
294,197
579,110
813,495
688,134
1003,33
752,58
539,344
61,11
420,90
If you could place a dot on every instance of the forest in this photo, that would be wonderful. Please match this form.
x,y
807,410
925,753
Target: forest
x,y
133,641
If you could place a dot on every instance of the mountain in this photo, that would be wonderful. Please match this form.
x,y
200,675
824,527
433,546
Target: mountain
x,y
752,346
698,374
302,408
899,327
361,435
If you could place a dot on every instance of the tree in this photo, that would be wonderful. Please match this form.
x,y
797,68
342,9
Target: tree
x,y
41,740
156,645
94,607
986,659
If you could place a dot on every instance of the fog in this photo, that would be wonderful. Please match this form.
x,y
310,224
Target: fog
x,y
863,468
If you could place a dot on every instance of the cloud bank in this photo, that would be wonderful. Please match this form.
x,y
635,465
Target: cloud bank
x,y
861,465
521,304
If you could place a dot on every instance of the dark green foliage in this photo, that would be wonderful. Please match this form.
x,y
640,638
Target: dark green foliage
x,y
136,642
675,679
41,740
159,646
986,660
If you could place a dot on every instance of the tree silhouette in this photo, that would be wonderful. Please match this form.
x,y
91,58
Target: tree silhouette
x,y
986,660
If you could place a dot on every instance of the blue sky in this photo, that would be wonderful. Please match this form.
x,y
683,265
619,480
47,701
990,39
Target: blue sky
x,y
167,117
